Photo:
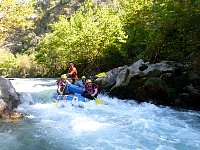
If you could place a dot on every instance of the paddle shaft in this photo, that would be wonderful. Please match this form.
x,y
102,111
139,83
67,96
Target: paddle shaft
x,y
61,95
89,96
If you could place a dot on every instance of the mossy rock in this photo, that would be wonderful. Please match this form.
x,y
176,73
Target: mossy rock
x,y
154,73
136,82
155,90
122,92
128,91
156,83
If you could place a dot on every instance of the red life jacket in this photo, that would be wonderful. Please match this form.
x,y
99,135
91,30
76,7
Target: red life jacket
x,y
61,84
90,87
74,72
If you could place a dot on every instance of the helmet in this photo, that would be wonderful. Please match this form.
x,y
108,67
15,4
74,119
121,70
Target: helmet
x,y
71,63
89,80
63,76
83,77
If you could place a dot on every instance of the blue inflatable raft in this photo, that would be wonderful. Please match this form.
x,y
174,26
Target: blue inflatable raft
x,y
71,97
74,89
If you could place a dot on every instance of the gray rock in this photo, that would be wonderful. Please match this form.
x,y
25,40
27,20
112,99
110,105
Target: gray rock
x,y
110,79
8,94
124,82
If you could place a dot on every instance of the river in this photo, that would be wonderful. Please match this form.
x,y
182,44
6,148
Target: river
x,y
118,125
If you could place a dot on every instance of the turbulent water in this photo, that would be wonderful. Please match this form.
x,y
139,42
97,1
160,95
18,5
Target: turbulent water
x,y
118,125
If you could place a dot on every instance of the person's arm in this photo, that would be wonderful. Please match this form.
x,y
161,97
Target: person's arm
x,y
59,91
68,82
72,71
95,92
95,87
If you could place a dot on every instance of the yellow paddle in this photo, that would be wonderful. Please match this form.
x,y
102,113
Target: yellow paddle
x,y
87,95
100,75
98,101
56,104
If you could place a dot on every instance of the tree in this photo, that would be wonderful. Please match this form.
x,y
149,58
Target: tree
x,y
14,15
83,38
164,30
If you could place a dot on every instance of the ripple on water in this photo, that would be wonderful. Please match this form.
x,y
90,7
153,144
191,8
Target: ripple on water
x,y
119,125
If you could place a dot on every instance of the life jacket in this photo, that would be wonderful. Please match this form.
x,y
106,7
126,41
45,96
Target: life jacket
x,y
61,84
84,83
74,72
90,87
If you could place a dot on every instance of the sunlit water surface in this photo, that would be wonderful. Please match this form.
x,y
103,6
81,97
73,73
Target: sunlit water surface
x,y
118,125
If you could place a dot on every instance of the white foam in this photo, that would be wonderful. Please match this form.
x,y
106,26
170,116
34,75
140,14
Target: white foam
x,y
140,126
84,124
31,116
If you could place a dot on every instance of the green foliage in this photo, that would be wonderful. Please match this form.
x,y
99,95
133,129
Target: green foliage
x,y
178,30
165,30
14,15
19,66
136,27
98,37
7,62
83,38
25,66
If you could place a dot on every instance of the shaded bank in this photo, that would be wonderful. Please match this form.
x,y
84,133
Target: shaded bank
x,y
164,83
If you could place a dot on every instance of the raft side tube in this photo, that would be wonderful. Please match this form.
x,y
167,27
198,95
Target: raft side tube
x,y
70,97
74,89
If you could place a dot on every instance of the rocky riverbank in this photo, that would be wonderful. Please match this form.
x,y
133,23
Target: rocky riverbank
x,y
164,83
9,100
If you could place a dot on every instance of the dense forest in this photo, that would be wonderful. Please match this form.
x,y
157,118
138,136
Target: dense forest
x,y
38,37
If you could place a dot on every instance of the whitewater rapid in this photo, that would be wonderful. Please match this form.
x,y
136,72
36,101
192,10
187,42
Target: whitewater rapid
x,y
118,125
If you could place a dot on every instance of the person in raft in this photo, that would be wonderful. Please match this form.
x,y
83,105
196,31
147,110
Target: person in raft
x,y
72,72
82,83
61,90
91,89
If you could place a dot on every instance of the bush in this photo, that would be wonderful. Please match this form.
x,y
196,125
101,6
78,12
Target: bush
x,y
7,62
19,66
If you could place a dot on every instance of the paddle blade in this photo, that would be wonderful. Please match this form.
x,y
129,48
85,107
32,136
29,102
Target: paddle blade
x,y
56,104
100,75
98,101
58,98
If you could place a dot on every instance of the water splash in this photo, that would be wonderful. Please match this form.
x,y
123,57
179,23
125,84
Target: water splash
x,y
117,125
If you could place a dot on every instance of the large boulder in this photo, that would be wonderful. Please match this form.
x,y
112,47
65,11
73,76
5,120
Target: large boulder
x,y
108,81
2,107
142,81
9,98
